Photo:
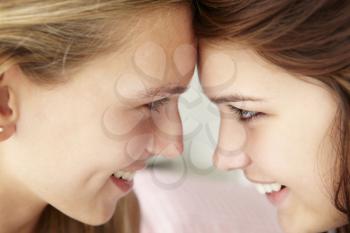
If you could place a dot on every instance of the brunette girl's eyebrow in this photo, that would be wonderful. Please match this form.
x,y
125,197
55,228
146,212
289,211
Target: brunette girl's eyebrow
x,y
234,98
164,90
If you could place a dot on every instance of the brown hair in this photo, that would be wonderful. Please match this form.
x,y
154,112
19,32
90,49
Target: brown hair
x,y
308,38
49,39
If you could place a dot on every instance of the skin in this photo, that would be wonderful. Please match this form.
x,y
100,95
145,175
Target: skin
x,y
62,144
290,143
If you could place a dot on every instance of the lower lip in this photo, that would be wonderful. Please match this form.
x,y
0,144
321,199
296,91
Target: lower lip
x,y
123,185
276,198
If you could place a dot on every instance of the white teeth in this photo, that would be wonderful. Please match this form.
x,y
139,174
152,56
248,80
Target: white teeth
x,y
260,188
124,175
276,187
268,188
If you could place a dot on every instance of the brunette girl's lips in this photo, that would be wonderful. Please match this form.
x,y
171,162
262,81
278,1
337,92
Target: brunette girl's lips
x,y
277,198
259,182
276,193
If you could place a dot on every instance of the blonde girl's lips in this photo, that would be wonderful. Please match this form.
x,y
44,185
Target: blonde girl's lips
x,y
136,166
124,179
123,184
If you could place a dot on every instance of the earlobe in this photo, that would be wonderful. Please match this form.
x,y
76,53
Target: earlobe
x,y
7,132
8,110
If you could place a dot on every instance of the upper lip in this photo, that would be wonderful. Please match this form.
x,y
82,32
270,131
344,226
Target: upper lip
x,y
135,166
260,181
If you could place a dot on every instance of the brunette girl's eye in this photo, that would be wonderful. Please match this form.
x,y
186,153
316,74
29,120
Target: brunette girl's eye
x,y
243,114
156,105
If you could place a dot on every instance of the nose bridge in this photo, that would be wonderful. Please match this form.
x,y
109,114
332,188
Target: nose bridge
x,y
232,134
230,153
167,132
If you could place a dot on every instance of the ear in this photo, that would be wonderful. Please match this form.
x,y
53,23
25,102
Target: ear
x,y
8,103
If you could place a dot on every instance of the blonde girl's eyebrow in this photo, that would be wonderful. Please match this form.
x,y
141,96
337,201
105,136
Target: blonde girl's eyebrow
x,y
164,90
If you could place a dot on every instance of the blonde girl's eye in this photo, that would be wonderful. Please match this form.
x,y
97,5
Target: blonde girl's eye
x,y
156,105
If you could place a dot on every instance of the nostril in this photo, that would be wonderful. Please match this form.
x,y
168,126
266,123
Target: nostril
x,y
230,161
180,149
238,161
219,163
145,156
171,150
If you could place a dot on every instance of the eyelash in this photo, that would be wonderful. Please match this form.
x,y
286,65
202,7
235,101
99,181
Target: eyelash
x,y
240,113
155,106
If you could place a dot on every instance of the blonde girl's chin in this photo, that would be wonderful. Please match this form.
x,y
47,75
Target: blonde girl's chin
x,y
127,214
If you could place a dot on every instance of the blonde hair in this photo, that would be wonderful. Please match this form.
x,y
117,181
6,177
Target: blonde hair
x,y
48,38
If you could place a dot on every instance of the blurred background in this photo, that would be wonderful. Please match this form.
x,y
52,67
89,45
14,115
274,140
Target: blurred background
x,y
188,195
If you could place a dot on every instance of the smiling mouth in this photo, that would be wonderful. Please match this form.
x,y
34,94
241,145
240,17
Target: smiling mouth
x,y
127,173
124,175
276,193
269,188
123,180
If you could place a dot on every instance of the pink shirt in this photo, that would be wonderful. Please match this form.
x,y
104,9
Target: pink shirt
x,y
200,204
